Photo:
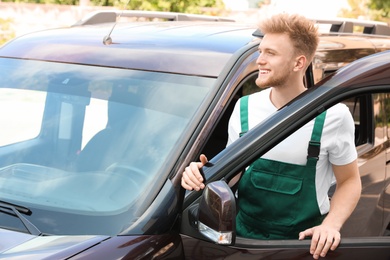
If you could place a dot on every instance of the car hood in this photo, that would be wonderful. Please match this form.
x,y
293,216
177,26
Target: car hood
x,y
16,245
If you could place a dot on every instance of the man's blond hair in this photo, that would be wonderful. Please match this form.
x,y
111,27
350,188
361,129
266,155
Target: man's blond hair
x,y
302,32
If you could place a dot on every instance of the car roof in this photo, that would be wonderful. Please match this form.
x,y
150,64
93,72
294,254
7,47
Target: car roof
x,y
179,43
193,48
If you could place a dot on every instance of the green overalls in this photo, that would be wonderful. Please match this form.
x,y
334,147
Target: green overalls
x,y
277,200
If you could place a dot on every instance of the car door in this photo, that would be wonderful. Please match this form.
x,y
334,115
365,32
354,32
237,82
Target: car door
x,y
225,165
370,217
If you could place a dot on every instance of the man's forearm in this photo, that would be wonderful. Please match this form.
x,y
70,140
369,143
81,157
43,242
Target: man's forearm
x,y
343,202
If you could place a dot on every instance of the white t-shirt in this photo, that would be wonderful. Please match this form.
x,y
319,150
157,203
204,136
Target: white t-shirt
x,y
337,140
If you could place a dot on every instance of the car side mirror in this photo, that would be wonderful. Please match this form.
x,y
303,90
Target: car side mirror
x,y
217,213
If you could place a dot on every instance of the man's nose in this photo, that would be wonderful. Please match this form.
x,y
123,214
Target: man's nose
x,y
260,59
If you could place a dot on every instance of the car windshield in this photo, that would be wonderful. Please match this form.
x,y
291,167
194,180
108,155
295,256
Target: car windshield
x,y
79,145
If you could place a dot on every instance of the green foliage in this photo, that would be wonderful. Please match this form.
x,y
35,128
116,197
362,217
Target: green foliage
x,y
6,33
382,6
185,6
60,2
377,10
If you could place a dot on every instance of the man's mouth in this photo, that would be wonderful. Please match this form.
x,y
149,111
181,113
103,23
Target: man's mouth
x,y
262,71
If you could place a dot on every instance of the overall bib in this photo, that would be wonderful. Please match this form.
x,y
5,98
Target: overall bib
x,y
277,200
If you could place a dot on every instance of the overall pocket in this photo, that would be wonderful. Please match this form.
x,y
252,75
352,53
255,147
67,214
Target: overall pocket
x,y
278,196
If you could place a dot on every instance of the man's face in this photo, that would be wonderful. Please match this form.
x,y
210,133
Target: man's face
x,y
276,61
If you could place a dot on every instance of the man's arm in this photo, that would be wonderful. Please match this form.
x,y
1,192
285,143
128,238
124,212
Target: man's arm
x,y
348,189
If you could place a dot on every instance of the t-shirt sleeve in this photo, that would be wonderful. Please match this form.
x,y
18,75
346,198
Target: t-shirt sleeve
x,y
234,126
343,150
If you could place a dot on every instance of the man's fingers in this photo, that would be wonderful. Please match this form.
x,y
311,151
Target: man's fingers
x,y
203,159
315,240
317,246
336,242
327,245
321,241
185,185
194,173
326,242
306,233
192,179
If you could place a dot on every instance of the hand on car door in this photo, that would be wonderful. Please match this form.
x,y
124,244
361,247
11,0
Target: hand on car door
x,y
192,178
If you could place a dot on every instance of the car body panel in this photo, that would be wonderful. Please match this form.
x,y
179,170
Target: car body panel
x,y
364,248
66,247
16,245
167,246
155,49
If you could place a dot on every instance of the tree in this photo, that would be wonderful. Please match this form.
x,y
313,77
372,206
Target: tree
x,y
357,9
377,10
382,7
185,6
6,33
213,7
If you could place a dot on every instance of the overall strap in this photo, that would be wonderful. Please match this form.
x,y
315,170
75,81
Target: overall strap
x,y
315,144
244,115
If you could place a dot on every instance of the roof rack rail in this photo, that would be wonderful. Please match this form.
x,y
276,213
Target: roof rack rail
x,y
345,25
111,16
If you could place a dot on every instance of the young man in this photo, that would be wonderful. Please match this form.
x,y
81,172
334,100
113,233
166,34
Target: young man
x,y
283,195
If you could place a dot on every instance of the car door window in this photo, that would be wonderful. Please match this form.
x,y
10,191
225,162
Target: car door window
x,y
362,113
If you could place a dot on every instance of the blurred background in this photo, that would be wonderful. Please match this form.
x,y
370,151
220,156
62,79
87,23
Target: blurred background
x,y
18,17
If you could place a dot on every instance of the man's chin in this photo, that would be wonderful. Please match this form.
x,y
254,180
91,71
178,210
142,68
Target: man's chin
x,y
261,84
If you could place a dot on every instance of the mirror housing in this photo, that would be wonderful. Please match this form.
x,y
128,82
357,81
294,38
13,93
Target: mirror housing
x,y
217,213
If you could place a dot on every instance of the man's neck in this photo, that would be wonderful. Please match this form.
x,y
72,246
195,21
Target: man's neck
x,y
281,95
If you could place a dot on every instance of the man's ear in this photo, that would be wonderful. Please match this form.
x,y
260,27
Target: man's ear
x,y
300,63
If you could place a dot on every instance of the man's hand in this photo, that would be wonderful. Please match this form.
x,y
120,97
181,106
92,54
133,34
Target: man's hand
x,y
192,178
323,239
327,235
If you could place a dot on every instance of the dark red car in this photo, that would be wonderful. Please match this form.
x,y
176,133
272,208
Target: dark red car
x,y
96,130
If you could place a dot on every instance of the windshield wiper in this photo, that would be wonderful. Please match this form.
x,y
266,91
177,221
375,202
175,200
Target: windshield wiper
x,y
21,209
13,210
